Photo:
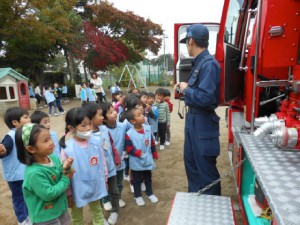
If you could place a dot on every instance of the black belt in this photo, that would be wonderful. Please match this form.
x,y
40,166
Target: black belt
x,y
198,110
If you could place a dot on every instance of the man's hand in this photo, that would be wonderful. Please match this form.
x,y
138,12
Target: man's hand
x,y
182,85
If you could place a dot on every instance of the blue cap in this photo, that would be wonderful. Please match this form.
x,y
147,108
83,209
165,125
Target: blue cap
x,y
197,32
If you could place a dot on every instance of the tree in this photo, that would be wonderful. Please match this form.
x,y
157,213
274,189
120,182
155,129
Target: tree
x,y
137,33
35,32
97,50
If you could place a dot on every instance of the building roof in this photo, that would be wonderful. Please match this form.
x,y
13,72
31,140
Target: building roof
x,y
11,72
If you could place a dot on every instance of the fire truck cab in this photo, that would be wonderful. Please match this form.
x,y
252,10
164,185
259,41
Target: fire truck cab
x,y
258,48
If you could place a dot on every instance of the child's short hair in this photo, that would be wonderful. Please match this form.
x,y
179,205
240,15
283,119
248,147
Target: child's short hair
x,y
73,118
118,93
129,114
105,106
151,94
46,86
142,93
91,85
167,92
131,101
82,84
160,91
37,116
14,113
91,109
24,156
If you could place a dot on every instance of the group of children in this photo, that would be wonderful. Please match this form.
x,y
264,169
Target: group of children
x,y
88,94
47,175
53,97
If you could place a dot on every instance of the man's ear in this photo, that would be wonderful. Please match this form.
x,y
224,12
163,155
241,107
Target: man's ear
x,y
30,149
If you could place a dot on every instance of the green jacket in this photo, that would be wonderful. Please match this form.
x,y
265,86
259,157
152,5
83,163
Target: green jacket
x,y
44,191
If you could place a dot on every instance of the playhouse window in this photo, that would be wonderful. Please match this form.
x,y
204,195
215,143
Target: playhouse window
x,y
7,93
12,92
3,95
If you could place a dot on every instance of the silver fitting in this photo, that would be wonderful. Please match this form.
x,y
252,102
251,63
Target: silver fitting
x,y
285,137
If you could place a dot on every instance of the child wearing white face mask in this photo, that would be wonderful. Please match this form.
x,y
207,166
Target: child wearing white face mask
x,y
88,182
112,157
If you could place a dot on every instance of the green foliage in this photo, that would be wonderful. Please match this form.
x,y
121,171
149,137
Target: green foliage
x,y
33,33
52,77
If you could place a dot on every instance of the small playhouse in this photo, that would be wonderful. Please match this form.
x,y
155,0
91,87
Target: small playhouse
x,y
13,90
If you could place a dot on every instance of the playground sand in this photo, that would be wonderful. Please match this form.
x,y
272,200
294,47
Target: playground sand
x,y
168,177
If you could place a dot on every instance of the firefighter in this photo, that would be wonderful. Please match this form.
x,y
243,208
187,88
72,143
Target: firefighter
x,y
202,93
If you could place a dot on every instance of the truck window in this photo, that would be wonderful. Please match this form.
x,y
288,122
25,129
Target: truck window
x,y
231,26
213,32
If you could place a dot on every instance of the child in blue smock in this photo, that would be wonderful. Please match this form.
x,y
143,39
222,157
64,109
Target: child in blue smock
x,y
88,182
113,160
83,94
42,118
12,169
152,113
140,146
117,131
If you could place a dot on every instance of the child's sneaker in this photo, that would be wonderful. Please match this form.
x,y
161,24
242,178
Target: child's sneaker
x,y
161,147
55,114
143,186
139,201
62,113
131,188
167,143
121,203
25,222
127,178
153,198
107,206
113,218
156,142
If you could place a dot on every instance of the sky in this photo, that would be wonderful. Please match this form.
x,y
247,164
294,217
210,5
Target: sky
x,y
168,12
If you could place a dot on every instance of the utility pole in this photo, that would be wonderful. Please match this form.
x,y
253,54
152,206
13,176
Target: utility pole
x,y
164,53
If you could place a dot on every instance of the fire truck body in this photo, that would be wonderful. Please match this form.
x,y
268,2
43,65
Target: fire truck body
x,y
259,53
258,50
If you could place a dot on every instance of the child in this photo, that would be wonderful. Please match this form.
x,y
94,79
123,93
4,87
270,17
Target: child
x,y
88,183
38,95
42,118
144,102
167,100
118,101
83,94
12,169
152,114
65,93
117,131
112,157
140,146
50,99
91,94
46,179
88,92
163,116
58,96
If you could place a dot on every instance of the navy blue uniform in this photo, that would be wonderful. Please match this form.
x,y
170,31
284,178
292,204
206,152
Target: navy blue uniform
x,y
201,145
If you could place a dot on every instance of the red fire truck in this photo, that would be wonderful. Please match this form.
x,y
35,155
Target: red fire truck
x,y
257,46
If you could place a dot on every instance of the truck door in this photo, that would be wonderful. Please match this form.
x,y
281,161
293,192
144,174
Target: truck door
x,y
182,60
229,51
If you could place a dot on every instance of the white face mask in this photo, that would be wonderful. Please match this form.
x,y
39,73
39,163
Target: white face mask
x,y
84,135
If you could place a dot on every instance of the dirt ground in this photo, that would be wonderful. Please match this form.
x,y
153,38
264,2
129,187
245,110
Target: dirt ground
x,y
168,178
